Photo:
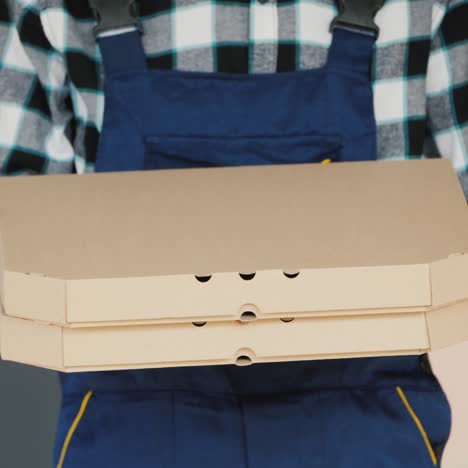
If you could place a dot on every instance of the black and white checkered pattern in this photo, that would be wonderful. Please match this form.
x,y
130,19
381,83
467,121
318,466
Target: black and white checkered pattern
x,y
51,98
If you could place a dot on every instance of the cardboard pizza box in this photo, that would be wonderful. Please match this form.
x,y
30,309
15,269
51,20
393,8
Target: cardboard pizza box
x,y
233,265
237,243
178,345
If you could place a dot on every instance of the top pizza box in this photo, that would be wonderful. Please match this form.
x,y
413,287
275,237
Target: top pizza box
x,y
239,243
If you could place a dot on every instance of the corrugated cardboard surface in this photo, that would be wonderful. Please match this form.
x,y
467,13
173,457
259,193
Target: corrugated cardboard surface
x,y
147,346
134,347
380,270
181,298
236,219
125,247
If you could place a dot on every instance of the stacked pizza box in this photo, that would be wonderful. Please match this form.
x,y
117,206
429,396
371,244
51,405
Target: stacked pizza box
x,y
233,265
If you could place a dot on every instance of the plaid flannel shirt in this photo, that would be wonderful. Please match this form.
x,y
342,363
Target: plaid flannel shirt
x,y
51,80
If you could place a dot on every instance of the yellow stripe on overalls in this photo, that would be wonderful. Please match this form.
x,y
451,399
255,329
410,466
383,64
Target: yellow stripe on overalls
x,y
73,427
418,423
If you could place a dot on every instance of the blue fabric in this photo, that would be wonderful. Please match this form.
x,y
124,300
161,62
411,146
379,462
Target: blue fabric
x,y
330,413
164,119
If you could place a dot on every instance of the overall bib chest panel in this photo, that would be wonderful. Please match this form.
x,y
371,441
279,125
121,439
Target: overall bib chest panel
x,y
168,119
325,414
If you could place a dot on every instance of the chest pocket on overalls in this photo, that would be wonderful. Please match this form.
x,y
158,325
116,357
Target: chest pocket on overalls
x,y
165,152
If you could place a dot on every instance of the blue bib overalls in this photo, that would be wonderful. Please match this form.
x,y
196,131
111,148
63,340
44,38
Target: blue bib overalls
x,y
384,412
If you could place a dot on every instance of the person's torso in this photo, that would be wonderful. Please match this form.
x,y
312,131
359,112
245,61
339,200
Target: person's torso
x,y
253,37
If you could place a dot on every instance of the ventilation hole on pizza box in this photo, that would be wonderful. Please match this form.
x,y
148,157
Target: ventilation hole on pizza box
x,y
287,319
243,361
199,324
247,276
203,279
248,316
291,275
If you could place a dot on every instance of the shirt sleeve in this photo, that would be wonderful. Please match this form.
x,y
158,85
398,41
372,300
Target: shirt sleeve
x,y
36,115
447,88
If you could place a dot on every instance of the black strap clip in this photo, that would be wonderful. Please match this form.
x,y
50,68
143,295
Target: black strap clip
x,y
359,15
114,14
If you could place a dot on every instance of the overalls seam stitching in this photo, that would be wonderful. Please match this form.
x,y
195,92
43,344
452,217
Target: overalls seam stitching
x,y
74,426
417,422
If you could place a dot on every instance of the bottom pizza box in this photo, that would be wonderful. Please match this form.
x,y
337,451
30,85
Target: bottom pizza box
x,y
171,345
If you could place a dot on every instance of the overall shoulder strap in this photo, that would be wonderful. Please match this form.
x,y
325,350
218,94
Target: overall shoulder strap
x,y
113,15
358,15
118,33
354,35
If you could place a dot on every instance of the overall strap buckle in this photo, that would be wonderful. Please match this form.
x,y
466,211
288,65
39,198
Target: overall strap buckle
x,y
114,14
358,15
